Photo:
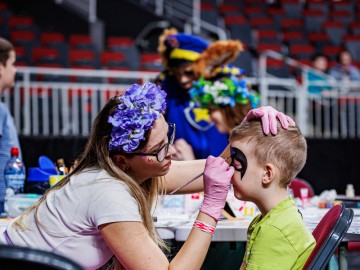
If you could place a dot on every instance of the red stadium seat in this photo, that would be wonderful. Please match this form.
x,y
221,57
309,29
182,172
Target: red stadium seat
x,y
292,37
290,24
343,16
206,6
112,59
262,23
3,6
19,22
292,8
20,51
314,19
22,36
44,55
82,59
80,41
342,5
254,11
150,57
229,9
51,37
273,47
267,36
276,12
332,51
301,51
230,20
319,40
355,28
114,42
150,62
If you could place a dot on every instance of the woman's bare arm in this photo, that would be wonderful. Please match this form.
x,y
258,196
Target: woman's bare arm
x,y
133,247
182,171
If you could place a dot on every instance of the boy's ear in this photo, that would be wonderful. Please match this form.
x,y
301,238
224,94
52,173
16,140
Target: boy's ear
x,y
269,173
121,162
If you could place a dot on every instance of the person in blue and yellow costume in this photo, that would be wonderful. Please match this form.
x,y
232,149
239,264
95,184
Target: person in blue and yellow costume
x,y
183,57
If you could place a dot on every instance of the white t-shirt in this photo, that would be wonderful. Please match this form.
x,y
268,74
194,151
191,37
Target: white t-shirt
x,y
71,217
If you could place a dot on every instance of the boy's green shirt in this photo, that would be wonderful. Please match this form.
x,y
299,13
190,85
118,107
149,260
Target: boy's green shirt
x,y
280,240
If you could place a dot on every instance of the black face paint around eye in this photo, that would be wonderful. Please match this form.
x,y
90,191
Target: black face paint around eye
x,y
238,155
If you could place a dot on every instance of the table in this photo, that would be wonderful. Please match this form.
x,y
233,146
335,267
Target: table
x,y
178,227
236,230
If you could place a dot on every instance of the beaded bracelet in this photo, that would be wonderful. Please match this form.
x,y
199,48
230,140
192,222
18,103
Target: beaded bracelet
x,y
204,227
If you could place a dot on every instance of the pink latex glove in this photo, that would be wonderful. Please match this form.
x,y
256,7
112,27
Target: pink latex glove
x,y
268,119
217,177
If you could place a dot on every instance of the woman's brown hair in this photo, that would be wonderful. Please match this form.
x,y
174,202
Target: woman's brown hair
x,y
96,155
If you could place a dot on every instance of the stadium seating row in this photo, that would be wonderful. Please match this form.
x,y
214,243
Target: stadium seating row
x,y
292,28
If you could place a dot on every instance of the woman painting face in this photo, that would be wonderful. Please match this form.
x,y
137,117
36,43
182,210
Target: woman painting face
x,y
142,167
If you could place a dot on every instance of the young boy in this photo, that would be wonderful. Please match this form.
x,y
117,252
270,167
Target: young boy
x,y
264,167
8,133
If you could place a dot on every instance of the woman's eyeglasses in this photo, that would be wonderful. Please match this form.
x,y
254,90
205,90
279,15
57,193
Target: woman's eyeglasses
x,y
162,152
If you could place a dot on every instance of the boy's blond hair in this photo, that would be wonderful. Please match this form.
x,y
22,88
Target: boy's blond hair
x,y
287,150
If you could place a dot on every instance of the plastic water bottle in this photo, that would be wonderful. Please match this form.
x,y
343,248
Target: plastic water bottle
x,y
14,173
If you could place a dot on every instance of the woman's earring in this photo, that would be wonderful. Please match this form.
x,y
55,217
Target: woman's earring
x,y
124,167
120,162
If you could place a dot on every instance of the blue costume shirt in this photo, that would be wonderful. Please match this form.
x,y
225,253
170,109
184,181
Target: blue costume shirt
x,y
204,143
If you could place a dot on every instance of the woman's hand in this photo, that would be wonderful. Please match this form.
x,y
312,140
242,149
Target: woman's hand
x,y
269,118
184,150
217,177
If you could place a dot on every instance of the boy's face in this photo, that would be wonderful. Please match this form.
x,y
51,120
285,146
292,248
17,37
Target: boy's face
x,y
247,186
7,73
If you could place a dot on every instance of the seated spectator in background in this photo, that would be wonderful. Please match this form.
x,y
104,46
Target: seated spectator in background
x,y
228,98
8,133
320,63
344,70
181,55
264,167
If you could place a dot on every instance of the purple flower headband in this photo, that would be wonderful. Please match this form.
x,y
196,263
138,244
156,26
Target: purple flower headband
x,y
141,106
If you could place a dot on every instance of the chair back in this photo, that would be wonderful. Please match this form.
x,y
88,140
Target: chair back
x,y
328,235
297,184
15,257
